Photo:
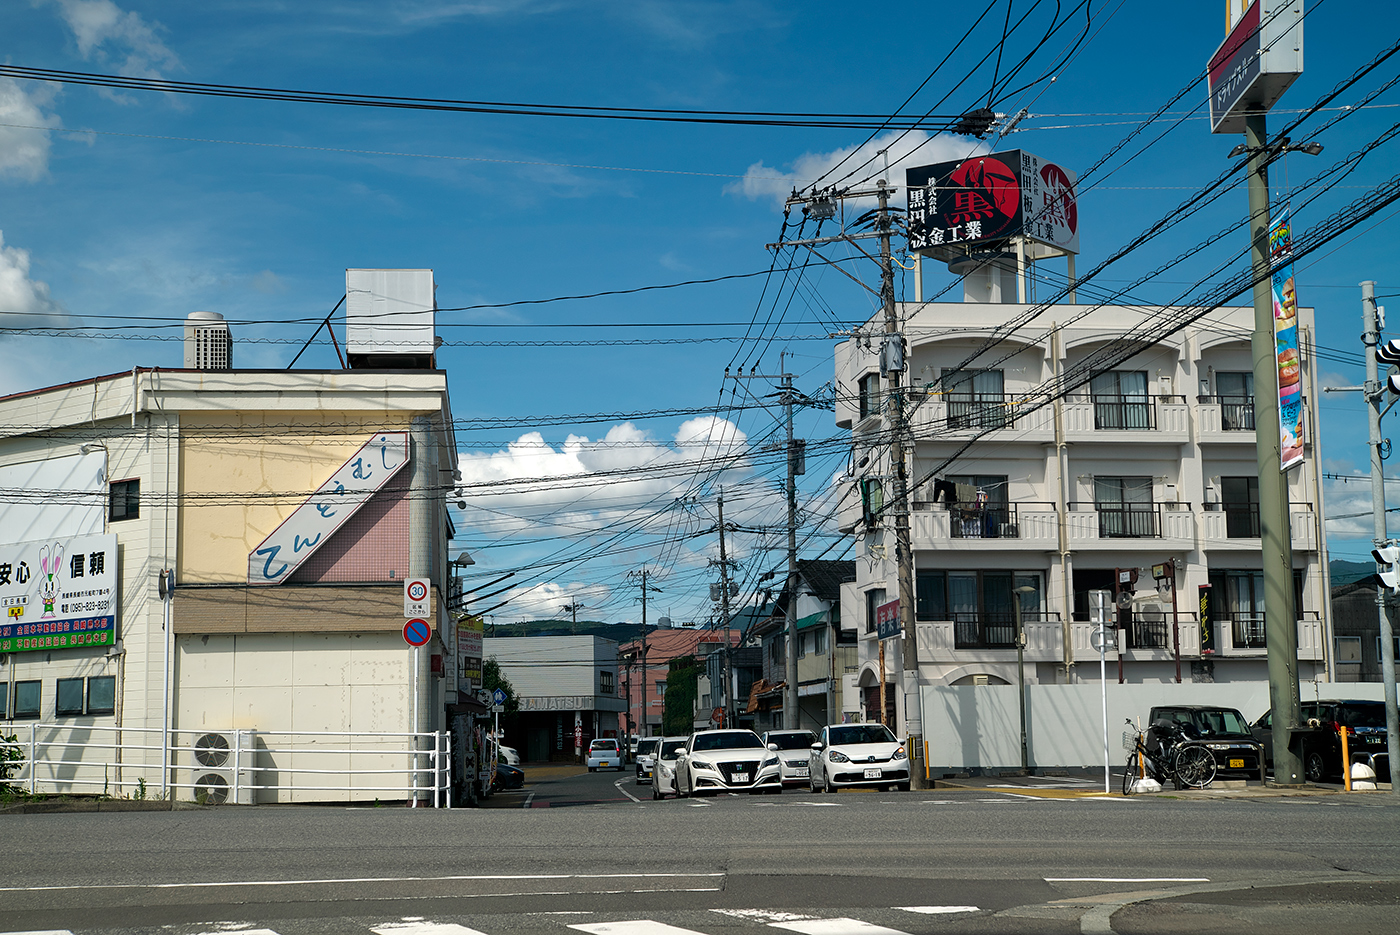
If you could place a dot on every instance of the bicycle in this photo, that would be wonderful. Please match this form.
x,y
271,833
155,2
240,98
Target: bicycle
x,y
1188,763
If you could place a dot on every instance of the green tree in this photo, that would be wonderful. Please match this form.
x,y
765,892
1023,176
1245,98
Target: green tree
x,y
678,716
492,679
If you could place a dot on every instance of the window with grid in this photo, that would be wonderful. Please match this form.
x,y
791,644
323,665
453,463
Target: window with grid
x,y
976,398
1236,394
1120,400
1125,509
124,500
869,395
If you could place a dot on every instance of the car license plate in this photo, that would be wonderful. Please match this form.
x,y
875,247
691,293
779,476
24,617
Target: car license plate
x,y
1237,764
873,773
1375,740
800,770
741,777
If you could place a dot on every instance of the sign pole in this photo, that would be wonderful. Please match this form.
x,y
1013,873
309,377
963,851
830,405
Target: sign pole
x,y
413,743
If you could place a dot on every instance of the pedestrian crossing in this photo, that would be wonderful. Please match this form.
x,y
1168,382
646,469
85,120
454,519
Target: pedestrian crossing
x,y
778,920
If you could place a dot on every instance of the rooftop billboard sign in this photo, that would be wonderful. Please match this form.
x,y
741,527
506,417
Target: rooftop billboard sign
x,y
1260,57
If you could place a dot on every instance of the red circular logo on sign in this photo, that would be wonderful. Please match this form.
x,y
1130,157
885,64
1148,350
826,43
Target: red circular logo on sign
x,y
417,591
983,190
1061,209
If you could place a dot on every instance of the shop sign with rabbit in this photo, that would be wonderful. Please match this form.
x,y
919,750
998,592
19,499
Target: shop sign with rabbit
x,y
58,594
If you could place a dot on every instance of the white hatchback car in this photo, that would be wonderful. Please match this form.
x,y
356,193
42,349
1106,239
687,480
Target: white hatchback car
x,y
663,773
604,753
794,752
726,761
847,755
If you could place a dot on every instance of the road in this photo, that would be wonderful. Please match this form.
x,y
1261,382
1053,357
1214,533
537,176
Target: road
x,y
576,854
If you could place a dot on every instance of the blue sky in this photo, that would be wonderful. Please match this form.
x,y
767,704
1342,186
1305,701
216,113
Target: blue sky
x,y
143,204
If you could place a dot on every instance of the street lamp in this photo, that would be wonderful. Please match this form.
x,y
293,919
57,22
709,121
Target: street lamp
x,y
1021,669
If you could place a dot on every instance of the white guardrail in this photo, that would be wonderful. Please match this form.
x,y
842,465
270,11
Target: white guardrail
x,y
215,767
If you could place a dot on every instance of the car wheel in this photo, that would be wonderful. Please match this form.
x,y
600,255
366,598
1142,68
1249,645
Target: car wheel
x,y
826,783
1315,766
811,784
655,794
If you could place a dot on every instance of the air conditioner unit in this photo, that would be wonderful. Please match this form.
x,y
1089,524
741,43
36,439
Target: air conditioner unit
x,y
220,768
981,680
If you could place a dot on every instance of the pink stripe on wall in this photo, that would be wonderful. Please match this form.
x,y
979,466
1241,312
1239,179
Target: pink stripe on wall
x,y
371,546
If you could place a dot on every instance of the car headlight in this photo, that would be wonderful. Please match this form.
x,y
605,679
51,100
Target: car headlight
x,y
836,756
771,761
702,764
899,754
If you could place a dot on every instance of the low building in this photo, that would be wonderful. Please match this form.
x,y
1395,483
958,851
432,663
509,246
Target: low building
x,y
647,660
567,689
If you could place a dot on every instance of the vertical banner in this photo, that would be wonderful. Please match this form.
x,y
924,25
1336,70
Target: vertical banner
x,y
1207,619
1290,394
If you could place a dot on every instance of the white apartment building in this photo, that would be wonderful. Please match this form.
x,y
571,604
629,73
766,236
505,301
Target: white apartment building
x,y
1152,462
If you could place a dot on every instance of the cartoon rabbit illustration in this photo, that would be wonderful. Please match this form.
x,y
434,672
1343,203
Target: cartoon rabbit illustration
x,y
48,585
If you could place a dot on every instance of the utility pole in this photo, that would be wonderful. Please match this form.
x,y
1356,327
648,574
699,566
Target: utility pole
x,y
728,672
1375,391
1280,618
892,364
645,588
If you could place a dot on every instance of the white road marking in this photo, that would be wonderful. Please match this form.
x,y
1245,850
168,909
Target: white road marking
x,y
762,915
631,927
938,910
44,932
221,931
618,786
424,928
835,927
1127,879
798,805
528,799
446,879
698,804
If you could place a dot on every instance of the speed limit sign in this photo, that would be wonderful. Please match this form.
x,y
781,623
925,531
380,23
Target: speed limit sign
x,y
415,597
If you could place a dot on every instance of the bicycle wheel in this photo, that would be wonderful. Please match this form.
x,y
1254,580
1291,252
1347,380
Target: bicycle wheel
x,y
1195,767
1130,774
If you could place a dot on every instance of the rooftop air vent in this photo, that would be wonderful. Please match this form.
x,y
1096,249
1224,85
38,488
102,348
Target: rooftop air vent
x,y
208,342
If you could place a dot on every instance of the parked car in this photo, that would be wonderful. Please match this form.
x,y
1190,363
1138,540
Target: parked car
x,y
511,754
646,747
663,773
1224,730
1321,748
726,761
604,753
794,753
849,755
508,777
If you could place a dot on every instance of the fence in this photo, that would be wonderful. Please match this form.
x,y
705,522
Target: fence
x,y
243,767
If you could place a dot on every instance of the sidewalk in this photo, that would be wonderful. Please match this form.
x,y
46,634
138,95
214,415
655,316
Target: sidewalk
x,y
1082,783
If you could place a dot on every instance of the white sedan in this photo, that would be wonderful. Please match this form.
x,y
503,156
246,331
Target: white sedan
x,y
849,755
726,761
795,751
663,773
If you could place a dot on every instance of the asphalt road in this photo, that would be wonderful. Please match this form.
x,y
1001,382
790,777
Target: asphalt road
x,y
576,854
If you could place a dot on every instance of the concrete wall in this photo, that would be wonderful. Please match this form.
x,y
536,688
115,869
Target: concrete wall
x,y
977,727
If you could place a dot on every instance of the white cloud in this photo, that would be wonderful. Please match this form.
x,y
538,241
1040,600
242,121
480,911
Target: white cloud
x,y
24,153
117,38
864,164
1345,499
24,301
547,600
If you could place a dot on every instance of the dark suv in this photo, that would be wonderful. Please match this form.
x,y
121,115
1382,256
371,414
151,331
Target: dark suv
x,y
1321,750
1223,730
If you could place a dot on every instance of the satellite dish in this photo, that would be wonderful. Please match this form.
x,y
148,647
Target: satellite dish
x,y
1124,600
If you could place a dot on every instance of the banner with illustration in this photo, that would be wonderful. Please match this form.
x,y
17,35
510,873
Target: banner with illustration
x,y
58,594
1290,387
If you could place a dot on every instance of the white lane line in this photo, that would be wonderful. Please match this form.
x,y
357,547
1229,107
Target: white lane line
x,y
799,805
446,879
835,927
698,804
424,928
618,786
938,910
528,799
44,932
226,931
762,915
1127,879
631,927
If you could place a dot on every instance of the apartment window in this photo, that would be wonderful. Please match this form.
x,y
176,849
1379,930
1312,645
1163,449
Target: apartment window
x,y
605,683
804,642
1236,394
1242,597
1349,650
869,389
1124,505
102,695
1239,498
976,398
124,500
69,699
1120,400
873,599
4,701
979,603
1380,645
819,640
660,689
981,507
872,501
27,697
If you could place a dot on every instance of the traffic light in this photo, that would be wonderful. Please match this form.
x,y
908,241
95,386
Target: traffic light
x,y
1389,556
1388,355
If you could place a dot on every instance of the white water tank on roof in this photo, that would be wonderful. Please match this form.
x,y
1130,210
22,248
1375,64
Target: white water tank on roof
x,y
390,318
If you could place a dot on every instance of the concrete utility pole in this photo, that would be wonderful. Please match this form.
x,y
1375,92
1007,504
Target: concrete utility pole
x,y
421,513
728,671
790,656
1375,392
645,588
1280,618
893,364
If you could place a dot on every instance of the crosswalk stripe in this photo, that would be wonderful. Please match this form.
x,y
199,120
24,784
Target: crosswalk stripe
x,y
420,927
240,932
835,927
631,927
937,910
762,915
44,932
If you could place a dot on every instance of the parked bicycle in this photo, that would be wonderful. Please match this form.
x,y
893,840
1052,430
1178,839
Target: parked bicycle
x,y
1164,751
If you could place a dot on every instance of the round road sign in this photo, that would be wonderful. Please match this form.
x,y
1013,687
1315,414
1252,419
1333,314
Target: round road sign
x,y
417,632
417,591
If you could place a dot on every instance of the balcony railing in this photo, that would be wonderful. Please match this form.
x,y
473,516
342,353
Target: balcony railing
x,y
1126,520
1236,413
1247,628
1124,412
971,521
979,411
993,630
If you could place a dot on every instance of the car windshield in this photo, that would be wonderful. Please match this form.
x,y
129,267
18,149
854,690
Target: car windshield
x,y
1361,715
644,747
861,733
670,748
603,745
797,740
735,741
1219,721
